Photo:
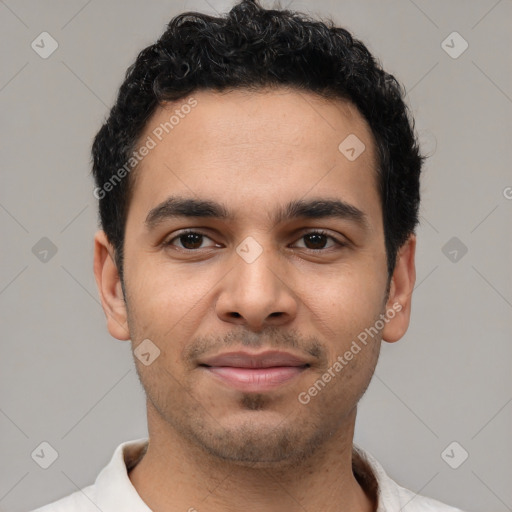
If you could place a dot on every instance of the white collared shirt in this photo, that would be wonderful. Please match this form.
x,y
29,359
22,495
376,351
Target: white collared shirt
x,y
114,492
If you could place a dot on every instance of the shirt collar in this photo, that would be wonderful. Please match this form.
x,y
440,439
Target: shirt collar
x,y
113,486
114,490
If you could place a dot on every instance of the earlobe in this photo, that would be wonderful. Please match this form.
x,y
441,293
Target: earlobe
x,y
109,287
398,306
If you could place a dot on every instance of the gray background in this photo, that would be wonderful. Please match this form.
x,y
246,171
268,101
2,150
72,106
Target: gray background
x,y
65,381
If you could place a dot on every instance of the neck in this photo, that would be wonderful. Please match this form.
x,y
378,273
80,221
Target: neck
x,y
175,474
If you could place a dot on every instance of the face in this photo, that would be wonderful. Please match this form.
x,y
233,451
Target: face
x,y
254,262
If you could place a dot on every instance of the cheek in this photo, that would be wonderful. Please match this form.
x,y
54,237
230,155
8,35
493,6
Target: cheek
x,y
349,303
164,301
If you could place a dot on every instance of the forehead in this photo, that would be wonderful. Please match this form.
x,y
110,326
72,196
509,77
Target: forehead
x,y
263,146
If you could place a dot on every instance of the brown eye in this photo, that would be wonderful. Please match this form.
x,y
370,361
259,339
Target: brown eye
x,y
315,241
318,240
190,240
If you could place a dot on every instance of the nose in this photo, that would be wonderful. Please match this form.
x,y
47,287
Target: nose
x,y
257,293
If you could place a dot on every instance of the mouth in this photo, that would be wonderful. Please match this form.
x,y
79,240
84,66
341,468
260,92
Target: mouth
x,y
255,372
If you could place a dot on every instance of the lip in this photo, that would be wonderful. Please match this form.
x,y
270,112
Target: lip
x,y
267,359
248,371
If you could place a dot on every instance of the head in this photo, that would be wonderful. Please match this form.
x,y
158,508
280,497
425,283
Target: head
x,y
288,154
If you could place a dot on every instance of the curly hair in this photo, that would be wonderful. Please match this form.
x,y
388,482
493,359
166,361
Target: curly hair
x,y
254,48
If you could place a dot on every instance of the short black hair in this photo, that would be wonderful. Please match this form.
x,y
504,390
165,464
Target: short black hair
x,y
256,48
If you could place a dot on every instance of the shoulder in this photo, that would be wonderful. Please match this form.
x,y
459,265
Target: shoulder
x,y
412,502
392,497
112,489
79,501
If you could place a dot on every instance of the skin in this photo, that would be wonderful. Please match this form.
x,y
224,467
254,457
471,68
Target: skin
x,y
213,447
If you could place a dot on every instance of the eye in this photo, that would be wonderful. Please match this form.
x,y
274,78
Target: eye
x,y
317,240
190,240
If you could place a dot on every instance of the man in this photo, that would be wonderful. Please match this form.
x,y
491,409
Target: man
x,y
258,186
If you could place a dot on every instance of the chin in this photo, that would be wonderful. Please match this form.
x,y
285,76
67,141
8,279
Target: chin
x,y
258,439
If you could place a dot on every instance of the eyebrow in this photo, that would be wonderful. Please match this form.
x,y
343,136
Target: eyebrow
x,y
175,207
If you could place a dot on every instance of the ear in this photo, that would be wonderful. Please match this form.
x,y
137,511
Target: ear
x,y
400,293
109,286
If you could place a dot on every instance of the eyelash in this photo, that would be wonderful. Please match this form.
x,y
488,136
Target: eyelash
x,y
313,232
